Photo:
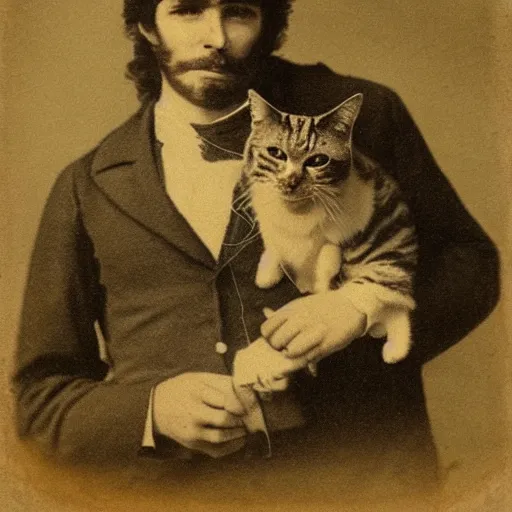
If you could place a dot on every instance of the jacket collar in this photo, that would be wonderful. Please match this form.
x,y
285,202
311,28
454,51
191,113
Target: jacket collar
x,y
125,169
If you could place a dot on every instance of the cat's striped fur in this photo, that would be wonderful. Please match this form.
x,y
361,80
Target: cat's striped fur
x,y
330,217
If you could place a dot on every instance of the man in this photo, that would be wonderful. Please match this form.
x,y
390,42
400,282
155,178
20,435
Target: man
x,y
169,281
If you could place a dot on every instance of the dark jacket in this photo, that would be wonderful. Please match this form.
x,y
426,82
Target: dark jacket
x,y
112,248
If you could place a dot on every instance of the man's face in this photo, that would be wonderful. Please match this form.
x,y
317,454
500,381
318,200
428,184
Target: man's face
x,y
207,48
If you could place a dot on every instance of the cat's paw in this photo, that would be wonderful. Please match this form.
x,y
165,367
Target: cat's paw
x,y
267,280
327,267
393,353
269,272
322,286
377,331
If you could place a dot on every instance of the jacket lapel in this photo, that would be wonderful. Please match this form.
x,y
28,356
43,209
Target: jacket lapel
x,y
125,169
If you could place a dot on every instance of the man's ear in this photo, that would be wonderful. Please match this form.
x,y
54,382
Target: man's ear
x,y
150,35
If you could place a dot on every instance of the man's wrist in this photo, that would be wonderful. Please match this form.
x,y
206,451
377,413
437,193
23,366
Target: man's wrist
x,y
365,301
156,445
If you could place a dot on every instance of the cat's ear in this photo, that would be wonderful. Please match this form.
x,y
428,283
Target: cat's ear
x,y
342,117
261,109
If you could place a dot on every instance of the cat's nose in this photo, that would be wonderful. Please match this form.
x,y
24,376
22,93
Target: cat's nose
x,y
289,184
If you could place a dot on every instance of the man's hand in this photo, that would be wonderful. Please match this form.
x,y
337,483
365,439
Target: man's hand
x,y
201,412
264,368
315,326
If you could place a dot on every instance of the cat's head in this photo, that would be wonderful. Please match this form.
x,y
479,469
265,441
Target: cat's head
x,y
300,156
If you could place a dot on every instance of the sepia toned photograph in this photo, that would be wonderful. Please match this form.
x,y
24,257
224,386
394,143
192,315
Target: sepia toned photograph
x,y
255,255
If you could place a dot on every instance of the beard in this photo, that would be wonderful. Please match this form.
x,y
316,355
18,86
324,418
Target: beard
x,y
236,77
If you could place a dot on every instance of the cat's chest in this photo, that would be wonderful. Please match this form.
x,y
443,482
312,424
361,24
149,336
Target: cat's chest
x,y
296,243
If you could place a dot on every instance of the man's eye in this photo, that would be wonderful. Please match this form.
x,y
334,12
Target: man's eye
x,y
242,12
187,11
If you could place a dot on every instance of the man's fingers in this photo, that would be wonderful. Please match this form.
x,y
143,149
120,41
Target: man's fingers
x,y
278,370
271,324
276,364
212,397
220,418
279,384
273,384
220,450
305,341
315,355
219,435
283,335
224,399
216,381
268,312
232,403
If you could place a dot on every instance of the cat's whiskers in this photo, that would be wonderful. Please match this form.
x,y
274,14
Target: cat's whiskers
x,y
271,198
247,239
247,219
339,214
239,207
299,199
246,194
241,204
329,197
334,209
318,198
327,206
327,190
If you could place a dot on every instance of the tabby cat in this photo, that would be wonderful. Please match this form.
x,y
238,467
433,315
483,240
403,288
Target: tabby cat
x,y
330,217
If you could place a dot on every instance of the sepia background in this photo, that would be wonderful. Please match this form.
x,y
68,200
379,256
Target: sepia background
x,y
62,65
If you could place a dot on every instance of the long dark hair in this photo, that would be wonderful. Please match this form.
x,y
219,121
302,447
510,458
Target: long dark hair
x,y
143,69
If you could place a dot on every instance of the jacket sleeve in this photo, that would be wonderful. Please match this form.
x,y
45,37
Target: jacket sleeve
x,y
62,399
457,282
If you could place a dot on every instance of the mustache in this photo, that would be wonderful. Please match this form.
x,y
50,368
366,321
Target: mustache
x,y
216,62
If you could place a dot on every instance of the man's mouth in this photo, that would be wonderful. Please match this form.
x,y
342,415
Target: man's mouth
x,y
216,66
217,72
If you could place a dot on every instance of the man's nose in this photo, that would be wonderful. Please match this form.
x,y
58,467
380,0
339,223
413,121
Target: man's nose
x,y
215,31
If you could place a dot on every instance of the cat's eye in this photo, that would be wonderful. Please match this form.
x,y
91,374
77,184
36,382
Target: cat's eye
x,y
275,152
317,160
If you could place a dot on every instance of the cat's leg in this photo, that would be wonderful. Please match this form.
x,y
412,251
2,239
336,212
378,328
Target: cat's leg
x,y
398,328
269,271
327,266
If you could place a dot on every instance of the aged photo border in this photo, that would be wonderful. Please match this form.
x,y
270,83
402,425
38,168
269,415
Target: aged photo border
x,y
493,493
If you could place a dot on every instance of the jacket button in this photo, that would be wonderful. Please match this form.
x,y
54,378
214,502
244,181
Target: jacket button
x,y
221,348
